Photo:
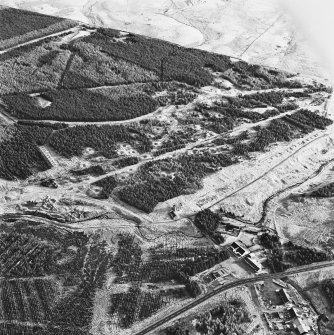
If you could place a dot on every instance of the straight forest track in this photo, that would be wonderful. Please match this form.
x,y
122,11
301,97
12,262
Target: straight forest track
x,y
69,30
263,33
67,68
94,87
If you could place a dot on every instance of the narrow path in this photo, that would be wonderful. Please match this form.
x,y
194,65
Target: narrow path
x,y
94,87
67,68
258,37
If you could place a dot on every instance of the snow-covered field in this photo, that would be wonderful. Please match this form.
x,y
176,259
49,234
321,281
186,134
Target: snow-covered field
x,y
259,31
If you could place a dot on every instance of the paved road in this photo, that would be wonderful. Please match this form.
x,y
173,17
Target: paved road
x,y
233,284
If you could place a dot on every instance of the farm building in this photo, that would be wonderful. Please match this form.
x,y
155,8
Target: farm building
x,y
172,214
300,326
253,262
293,312
239,250
284,295
279,326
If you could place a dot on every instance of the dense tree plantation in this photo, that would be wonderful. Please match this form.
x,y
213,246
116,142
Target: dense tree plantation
x,y
300,255
32,68
163,265
285,128
81,105
169,61
15,329
191,66
225,114
175,141
16,22
72,141
19,153
23,50
308,121
135,305
54,126
269,241
107,184
328,289
76,310
208,222
324,192
267,98
81,270
148,194
38,258
94,170
97,68
123,120
150,188
181,267
289,255
251,76
229,318
15,246
126,161
276,131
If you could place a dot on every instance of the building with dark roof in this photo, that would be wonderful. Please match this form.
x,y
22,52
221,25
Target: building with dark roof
x,y
284,296
252,262
239,250
293,313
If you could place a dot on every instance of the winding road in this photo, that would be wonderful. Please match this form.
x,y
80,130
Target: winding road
x,y
276,194
236,283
